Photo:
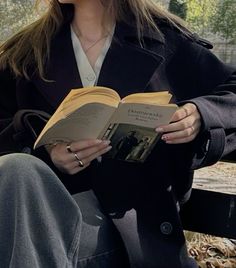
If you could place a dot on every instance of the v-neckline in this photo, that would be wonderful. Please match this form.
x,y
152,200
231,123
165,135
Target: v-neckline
x,y
89,75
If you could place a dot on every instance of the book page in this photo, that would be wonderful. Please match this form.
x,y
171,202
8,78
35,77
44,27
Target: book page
x,y
78,97
155,98
85,123
144,115
81,96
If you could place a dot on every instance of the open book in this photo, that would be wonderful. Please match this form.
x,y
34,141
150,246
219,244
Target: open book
x,y
100,113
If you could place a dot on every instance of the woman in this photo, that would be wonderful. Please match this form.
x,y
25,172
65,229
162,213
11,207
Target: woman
x,y
129,46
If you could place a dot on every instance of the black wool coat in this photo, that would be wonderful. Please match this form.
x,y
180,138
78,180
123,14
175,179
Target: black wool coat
x,y
173,62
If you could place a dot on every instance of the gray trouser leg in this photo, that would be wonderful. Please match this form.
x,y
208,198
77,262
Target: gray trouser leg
x,y
40,222
41,225
100,243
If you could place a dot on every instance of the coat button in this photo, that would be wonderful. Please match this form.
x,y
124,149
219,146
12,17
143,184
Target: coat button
x,y
169,188
166,228
91,77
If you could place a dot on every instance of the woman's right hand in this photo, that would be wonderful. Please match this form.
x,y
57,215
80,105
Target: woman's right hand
x,y
67,159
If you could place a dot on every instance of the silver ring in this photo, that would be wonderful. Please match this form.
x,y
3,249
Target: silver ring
x,y
80,162
68,148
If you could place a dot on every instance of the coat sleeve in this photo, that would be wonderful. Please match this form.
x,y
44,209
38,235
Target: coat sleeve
x,y
8,103
218,135
211,85
14,137
8,108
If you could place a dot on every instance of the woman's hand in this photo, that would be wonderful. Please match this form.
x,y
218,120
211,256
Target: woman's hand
x,y
184,127
76,156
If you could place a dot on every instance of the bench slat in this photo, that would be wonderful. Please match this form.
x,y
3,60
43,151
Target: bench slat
x,y
211,213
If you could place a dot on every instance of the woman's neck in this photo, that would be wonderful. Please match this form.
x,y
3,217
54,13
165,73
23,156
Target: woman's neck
x,y
88,20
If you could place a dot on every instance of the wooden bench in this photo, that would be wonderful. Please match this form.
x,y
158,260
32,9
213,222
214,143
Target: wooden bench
x,y
212,212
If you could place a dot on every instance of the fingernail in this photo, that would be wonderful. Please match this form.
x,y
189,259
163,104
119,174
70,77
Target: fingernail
x,y
159,129
108,148
106,142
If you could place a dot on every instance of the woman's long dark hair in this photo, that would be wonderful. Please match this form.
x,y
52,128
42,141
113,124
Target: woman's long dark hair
x,y
31,46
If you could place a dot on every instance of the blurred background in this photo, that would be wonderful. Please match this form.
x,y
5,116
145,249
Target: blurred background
x,y
214,20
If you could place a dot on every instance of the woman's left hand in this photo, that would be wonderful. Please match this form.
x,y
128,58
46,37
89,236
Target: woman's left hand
x,y
184,126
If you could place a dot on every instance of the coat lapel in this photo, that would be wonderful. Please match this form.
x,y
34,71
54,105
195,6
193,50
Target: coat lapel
x,y
128,66
61,69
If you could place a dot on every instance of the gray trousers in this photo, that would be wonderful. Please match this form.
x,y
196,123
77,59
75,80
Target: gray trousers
x,y
43,226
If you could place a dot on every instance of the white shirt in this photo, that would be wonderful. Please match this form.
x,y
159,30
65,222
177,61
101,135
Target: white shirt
x,y
89,75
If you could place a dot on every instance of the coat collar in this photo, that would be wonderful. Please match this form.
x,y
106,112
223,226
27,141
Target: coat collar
x,y
128,32
128,67
61,69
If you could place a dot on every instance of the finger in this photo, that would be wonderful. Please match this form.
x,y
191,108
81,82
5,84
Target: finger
x,y
182,140
182,136
73,167
184,111
176,126
185,133
97,154
182,133
180,114
70,156
77,168
66,161
60,156
92,150
83,144
86,160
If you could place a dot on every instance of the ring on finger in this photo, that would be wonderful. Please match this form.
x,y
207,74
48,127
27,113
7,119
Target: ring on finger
x,y
80,162
68,148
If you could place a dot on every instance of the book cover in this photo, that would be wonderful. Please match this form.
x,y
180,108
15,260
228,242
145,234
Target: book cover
x,y
99,113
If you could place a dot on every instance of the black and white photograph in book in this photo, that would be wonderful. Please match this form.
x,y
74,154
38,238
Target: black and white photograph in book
x,y
129,142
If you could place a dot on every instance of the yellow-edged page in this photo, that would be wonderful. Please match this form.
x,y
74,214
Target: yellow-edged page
x,y
156,98
82,115
78,97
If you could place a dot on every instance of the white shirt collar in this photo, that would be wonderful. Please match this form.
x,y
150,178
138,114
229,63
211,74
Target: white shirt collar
x,y
89,76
